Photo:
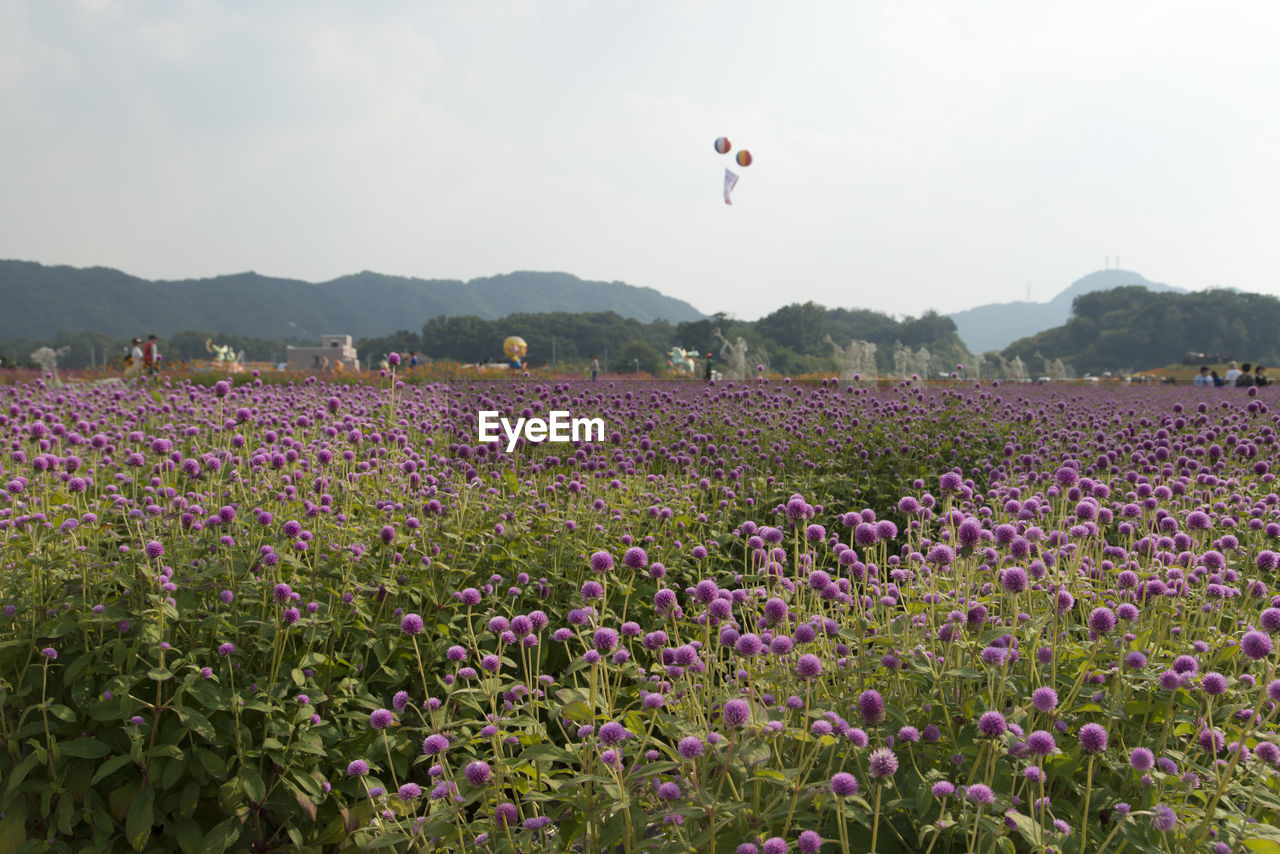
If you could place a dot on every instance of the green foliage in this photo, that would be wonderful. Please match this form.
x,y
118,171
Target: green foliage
x,y
639,355
1137,329
792,338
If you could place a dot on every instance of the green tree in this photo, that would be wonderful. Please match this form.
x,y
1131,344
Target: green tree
x,y
638,355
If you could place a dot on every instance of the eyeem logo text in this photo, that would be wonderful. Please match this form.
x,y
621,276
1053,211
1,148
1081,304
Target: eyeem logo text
x,y
558,427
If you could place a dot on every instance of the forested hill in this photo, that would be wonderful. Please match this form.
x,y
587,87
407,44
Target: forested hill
x,y
1133,328
40,301
997,325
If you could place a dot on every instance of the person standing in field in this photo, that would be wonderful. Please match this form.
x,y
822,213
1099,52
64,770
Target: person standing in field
x,y
1203,377
151,356
1246,378
133,367
1233,373
1259,377
595,367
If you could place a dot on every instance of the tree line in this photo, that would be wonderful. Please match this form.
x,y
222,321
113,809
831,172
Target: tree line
x,y
1134,328
790,340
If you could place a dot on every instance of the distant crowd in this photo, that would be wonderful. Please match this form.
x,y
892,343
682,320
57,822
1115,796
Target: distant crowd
x,y
143,359
1237,376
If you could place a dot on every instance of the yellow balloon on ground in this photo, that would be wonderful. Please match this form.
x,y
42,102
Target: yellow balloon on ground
x,y
514,347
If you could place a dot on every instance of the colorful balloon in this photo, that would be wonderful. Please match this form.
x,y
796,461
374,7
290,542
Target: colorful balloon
x,y
722,145
744,158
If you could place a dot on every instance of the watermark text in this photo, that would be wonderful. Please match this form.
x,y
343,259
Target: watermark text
x,y
558,426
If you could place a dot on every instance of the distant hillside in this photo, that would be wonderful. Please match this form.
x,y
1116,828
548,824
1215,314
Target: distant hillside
x,y
997,325
40,301
1132,328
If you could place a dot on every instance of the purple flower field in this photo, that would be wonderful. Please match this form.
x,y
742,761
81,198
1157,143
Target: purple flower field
x,y
758,618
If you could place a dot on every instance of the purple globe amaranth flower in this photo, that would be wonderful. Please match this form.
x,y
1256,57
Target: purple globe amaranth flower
x,y
1256,645
1014,579
1198,520
477,773
381,718
809,842
357,768
1041,743
980,793
1093,738
844,784
942,789
635,558
601,562
1142,759
882,764
871,707
1269,620
748,645
1213,683
1163,818
809,666
506,814
434,744
690,747
1102,620
411,624
154,549
1044,699
992,724
735,713
605,640
669,791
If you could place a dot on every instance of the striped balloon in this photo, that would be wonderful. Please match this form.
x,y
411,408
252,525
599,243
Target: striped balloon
x,y
722,145
744,158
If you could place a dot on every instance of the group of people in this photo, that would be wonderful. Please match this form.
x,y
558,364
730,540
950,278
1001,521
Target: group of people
x,y
1237,376
144,357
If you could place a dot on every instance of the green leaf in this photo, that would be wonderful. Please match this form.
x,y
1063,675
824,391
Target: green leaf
x,y
62,713
577,711
137,826
112,765
197,723
13,827
223,836
254,788
1263,846
20,773
84,748
173,773
159,674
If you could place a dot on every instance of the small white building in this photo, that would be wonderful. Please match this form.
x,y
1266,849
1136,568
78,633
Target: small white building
x,y
334,350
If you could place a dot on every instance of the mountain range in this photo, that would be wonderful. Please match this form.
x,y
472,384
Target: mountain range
x,y
40,301
997,325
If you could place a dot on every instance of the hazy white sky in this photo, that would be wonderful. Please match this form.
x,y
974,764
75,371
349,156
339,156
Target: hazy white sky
x,y
908,154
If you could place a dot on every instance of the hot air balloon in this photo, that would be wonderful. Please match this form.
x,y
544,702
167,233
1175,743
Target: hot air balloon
x,y
722,145
744,158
